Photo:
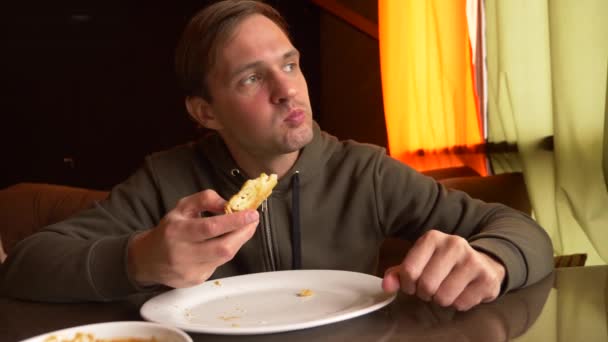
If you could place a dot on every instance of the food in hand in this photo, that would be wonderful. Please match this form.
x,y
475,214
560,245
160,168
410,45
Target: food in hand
x,y
252,194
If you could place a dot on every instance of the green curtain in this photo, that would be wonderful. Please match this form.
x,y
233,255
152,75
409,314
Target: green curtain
x,y
547,71
606,137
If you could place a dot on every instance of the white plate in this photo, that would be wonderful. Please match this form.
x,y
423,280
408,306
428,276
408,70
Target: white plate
x,y
122,329
262,303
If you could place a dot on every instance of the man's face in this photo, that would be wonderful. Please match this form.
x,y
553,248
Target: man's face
x,y
260,102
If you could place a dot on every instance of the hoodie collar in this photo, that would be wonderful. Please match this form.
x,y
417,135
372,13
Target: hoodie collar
x,y
308,165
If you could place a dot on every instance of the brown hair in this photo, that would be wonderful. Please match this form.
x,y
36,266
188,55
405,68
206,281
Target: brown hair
x,y
206,32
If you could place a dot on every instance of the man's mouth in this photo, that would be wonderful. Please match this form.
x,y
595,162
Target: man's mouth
x,y
295,117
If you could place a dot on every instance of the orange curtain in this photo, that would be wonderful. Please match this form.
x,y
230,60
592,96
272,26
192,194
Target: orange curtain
x,y
430,103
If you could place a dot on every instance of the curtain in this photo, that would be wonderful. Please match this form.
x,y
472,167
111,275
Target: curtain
x,y
428,82
547,72
606,137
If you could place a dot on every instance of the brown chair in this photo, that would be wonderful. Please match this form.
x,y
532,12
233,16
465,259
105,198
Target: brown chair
x,y
570,260
507,188
451,172
27,207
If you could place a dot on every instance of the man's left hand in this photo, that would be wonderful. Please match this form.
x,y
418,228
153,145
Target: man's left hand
x,y
445,269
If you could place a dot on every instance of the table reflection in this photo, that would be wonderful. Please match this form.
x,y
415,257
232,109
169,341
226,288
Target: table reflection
x,y
411,319
569,305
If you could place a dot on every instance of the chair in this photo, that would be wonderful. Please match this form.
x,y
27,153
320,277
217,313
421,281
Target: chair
x,y
451,172
27,207
507,188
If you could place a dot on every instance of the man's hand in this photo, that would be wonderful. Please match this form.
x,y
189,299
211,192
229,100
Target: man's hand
x,y
185,248
445,269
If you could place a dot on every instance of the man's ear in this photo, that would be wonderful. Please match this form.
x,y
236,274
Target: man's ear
x,y
200,111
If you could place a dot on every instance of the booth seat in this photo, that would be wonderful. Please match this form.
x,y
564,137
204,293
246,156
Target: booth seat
x,y
27,207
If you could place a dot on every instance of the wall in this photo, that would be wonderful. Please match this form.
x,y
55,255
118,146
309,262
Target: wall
x,y
88,89
351,89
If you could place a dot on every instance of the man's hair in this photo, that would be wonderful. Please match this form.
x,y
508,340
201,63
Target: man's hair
x,y
204,36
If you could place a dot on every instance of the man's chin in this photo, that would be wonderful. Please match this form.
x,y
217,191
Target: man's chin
x,y
298,138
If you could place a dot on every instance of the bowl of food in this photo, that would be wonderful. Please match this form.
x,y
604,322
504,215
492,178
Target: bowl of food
x,y
124,331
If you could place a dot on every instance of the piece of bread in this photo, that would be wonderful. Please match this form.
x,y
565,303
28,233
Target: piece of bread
x,y
305,293
252,194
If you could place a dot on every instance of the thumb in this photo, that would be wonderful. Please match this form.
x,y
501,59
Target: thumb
x,y
206,200
390,282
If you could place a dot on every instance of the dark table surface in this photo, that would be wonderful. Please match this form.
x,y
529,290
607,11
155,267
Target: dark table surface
x,y
569,305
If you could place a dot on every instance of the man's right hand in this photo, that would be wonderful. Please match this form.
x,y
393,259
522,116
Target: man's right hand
x,y
185,249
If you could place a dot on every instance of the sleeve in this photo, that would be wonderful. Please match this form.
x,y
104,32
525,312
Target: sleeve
x,y
84,257
410,203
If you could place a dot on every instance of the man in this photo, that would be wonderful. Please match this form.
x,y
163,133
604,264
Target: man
x,y
334,203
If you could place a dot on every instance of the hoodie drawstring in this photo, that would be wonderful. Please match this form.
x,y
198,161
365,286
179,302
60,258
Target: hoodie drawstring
x,y
296,245
296,253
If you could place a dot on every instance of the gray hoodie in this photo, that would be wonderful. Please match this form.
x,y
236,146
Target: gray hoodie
x,y
331,211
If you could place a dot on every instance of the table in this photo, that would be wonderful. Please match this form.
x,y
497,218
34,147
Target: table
x,y
569,305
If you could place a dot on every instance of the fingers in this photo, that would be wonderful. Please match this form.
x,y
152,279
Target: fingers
x,y
470,296
217,250
185,248
188,263
453,286
202,229
445,269
186,223
447,253
207,200
414,263
224,248
196,262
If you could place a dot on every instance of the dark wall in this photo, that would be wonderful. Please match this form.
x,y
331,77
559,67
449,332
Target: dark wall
x,y
351,89
87,89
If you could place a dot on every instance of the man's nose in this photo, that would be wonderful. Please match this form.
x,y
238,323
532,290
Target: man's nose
x,y
284,88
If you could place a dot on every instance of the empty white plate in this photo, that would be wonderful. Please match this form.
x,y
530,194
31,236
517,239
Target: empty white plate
x,y
268,302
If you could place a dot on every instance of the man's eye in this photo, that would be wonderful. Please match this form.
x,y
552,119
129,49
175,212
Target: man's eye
x,y
251,79
290,67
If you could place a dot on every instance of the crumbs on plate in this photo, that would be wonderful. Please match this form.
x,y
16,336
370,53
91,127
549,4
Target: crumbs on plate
x,y
229,318
217,283
188,314
305,293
